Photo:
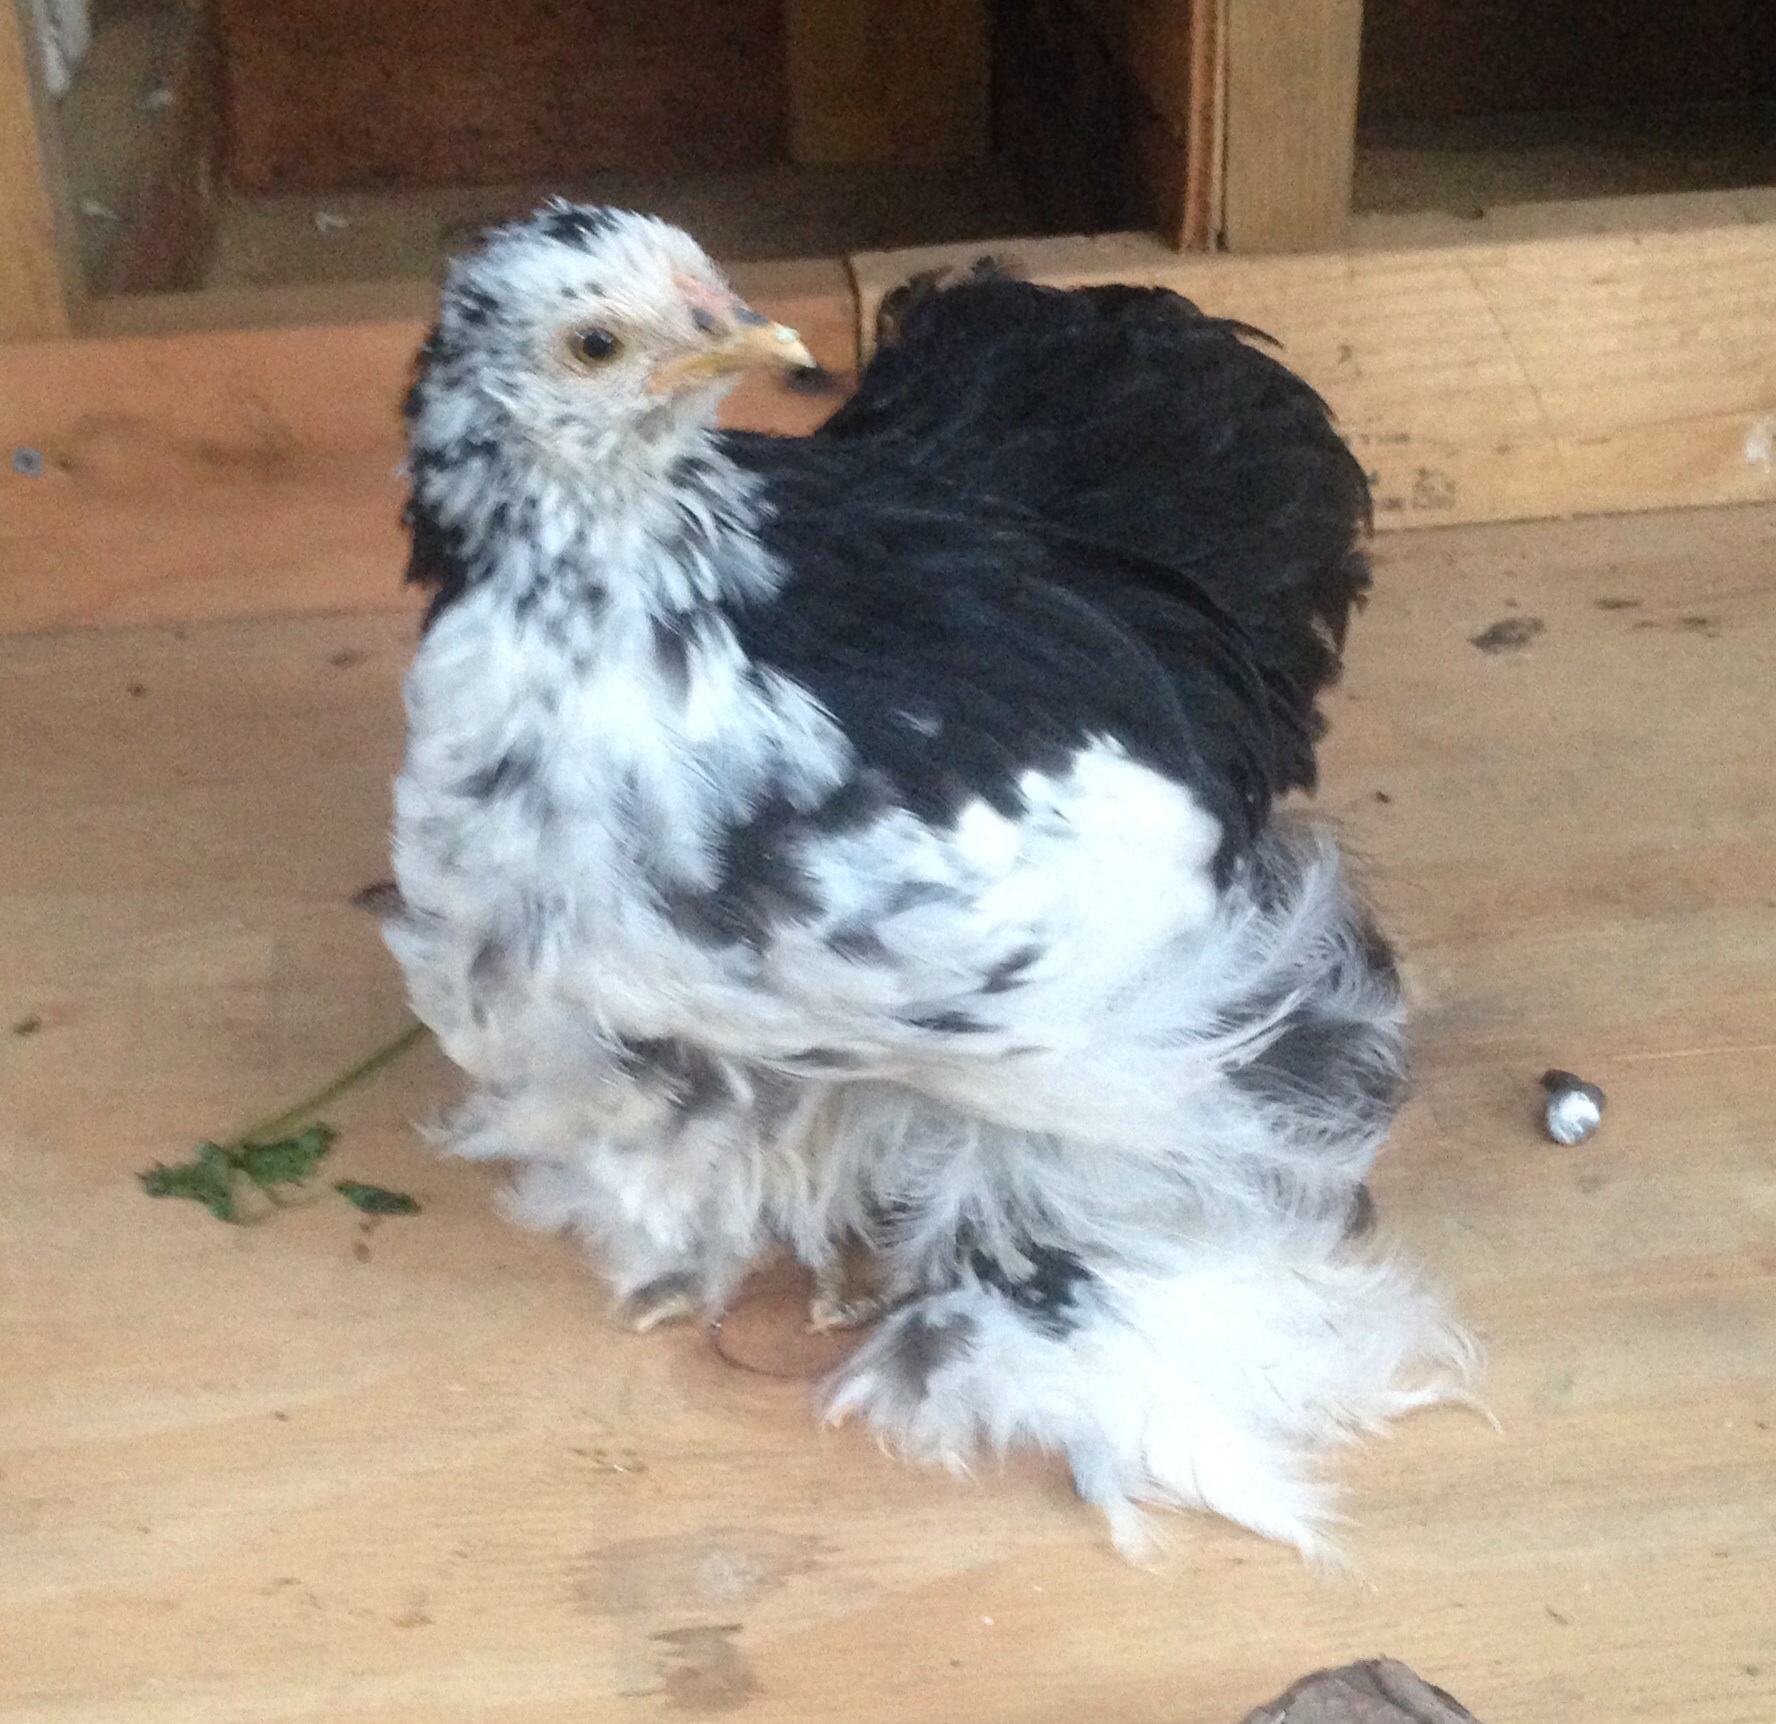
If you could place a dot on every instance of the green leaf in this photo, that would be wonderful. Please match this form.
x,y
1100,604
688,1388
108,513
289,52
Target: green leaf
x,y
205,1179
285,1160
376,1199
212,1176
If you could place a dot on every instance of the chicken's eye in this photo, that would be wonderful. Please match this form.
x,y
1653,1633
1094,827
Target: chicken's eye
x,y
593,346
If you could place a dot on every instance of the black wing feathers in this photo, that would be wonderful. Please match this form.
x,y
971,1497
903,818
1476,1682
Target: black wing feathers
x,y
960,642
1126,416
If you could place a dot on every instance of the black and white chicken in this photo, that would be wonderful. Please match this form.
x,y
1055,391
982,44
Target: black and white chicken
x,y
868,840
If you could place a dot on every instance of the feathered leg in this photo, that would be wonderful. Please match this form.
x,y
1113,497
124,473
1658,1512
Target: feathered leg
x,y
1209,1380
652,1157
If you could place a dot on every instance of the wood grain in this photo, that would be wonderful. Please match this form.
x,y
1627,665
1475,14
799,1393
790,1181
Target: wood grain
x,y
253,472
406,1473
329,94
888,80
169,172
37,287
1617,371
1290,122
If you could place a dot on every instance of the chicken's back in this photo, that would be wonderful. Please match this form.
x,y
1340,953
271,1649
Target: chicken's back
x,y
1126,416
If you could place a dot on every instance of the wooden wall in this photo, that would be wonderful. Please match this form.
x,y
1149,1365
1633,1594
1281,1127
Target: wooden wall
x,y
334,94
1425,59
1108,110
903,81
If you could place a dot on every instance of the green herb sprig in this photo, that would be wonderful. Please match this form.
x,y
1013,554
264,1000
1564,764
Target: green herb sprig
x,y
259,1172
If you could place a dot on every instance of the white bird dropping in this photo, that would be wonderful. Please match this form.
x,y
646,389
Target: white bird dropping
x,y
1575,1108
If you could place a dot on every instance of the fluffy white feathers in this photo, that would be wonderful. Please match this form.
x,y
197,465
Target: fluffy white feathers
x,y
753,931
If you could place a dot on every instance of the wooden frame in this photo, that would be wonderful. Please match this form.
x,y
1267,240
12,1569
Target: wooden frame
x,y
234,453
38,294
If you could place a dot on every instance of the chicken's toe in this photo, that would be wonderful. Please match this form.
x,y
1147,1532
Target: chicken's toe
x,y
665,1299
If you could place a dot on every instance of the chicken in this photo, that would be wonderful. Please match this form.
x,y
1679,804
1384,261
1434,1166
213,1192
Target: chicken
x,y
868,840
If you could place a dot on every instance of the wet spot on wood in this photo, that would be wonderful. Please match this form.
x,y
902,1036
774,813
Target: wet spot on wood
x,y
709,1570
1509,634
702,1671
812,380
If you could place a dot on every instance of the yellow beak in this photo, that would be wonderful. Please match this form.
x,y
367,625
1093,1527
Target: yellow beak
x,y
751,343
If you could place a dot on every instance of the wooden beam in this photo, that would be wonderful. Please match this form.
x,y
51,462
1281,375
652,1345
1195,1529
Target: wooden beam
x,y
1653,212
251,472
1487,382
1291,122
37,291
1205,146
888,81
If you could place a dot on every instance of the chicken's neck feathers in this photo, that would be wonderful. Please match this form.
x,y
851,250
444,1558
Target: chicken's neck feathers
x,y
592,645
590,527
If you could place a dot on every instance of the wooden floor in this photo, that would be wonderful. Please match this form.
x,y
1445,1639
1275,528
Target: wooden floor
x,y
333,1470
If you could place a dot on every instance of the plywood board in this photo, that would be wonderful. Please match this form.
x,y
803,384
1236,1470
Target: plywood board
x,y
1291,116
408,1474
253,471
37,291
1529,373
1496,381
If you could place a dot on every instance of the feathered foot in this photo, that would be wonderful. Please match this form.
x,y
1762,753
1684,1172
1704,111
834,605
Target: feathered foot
x,y
1212,1385
850,1290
